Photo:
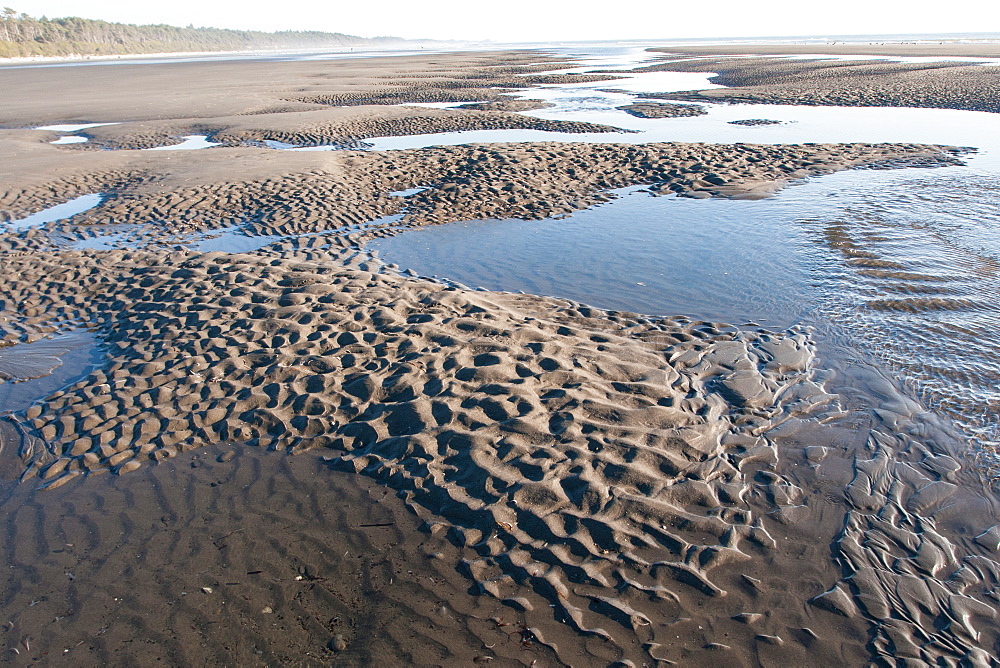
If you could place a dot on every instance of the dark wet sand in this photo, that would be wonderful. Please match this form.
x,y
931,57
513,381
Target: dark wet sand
x,y
260,559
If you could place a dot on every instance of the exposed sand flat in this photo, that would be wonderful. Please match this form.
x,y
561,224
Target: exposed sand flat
x,y
342,127
323,191
942,84
446,91
211,89
483,477
311,104
244,101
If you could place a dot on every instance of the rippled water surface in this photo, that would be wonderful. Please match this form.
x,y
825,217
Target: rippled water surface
x,y
663,262
916,270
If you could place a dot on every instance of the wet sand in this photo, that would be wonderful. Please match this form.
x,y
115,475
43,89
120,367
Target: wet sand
x,y
482,477
873,83
301,102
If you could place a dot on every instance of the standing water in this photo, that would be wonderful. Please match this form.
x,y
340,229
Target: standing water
x,y
58,212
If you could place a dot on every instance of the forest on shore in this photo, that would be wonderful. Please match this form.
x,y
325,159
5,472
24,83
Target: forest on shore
x,y
22,35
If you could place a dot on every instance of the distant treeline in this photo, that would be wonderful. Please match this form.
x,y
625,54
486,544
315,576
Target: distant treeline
x,y
22,35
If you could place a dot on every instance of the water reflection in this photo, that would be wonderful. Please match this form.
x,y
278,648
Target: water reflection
x,y
70,139
58,212
190,143
30,372
231,240
71,127
655,255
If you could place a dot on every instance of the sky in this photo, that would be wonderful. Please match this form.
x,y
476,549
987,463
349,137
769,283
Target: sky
x,y
545,20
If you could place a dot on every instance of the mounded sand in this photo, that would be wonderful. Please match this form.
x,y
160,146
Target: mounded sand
x,y
663,110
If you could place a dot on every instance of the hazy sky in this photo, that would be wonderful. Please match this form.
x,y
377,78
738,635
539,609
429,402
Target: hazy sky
x,y
546,20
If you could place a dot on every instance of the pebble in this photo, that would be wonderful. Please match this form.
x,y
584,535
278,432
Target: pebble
x,y
337,643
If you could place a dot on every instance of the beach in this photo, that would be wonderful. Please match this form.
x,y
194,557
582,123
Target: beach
x,y
298,453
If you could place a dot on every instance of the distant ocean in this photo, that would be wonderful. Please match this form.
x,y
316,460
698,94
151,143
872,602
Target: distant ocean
x,y
917,38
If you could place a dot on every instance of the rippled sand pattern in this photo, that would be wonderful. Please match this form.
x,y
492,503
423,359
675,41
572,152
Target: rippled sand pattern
x,y
609,471
482,477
